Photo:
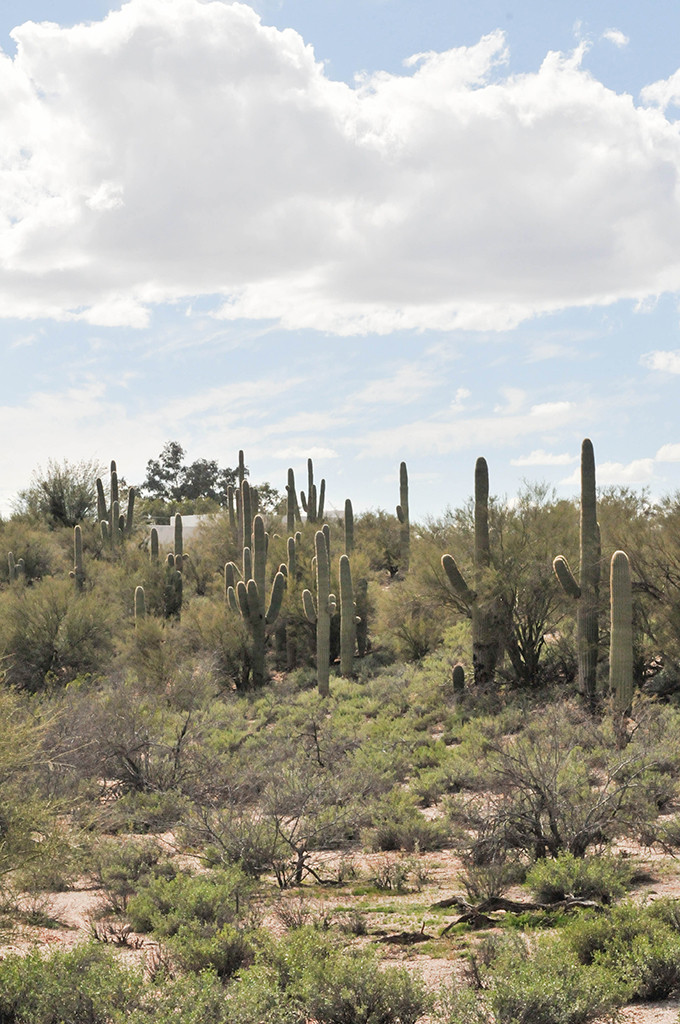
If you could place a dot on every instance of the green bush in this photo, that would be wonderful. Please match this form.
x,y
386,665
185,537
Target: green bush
x,y
213,898
120,867
550,986
398,824
85,986
604,879
200,947
331,985
641,943
187,999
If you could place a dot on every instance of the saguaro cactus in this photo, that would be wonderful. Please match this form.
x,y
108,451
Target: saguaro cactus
x,y
113,525
16,569
173,588
586,591
78,573
403,517
349,528
621,635
487,617
313,507
348,619
154,549
248,597
140,604
321,612
292,508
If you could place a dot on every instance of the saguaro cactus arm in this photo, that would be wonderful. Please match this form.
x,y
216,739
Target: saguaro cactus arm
x,y
457,581
566,577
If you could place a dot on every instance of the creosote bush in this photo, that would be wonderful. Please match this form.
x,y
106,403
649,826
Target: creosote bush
x,y
604,878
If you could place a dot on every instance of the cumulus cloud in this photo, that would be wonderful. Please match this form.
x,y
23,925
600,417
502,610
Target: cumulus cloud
x,y
542,458
639,471
182,148
617,37
666,362
668,453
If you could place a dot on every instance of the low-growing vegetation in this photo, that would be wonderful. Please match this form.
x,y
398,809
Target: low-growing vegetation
x,y
285,790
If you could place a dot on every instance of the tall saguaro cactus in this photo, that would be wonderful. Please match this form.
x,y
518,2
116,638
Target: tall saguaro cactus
x,y
487,612
292,508
621,635
114,526
349,527
248,597
586,591
403,517
348,619
321,612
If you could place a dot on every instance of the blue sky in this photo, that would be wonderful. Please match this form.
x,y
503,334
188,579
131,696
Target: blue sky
x,y
365,230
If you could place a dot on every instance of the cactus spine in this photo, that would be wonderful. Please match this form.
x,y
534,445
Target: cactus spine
x,y
312,506
348,619
586,591
248,597
486,612
403,517
621,636
321,611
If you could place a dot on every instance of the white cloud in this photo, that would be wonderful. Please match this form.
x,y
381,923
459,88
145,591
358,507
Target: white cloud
x,y
440,435
550,409
666,362
514,399
616,36
305,453
664,93
668,453
639,471
542,458
407,384
182,148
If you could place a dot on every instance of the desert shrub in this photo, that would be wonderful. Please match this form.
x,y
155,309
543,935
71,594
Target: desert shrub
x,y
602,878
145,812
186,999
398,824
200,918
85,986
200,947
558,786
120,868
549,985
213,630
641,943
212,898
331,985
232,835
50,634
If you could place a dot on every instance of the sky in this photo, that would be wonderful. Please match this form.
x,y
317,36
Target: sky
x,y
357,230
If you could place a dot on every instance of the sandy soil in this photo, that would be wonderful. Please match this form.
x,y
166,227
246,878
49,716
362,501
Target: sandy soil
x,y
388,913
